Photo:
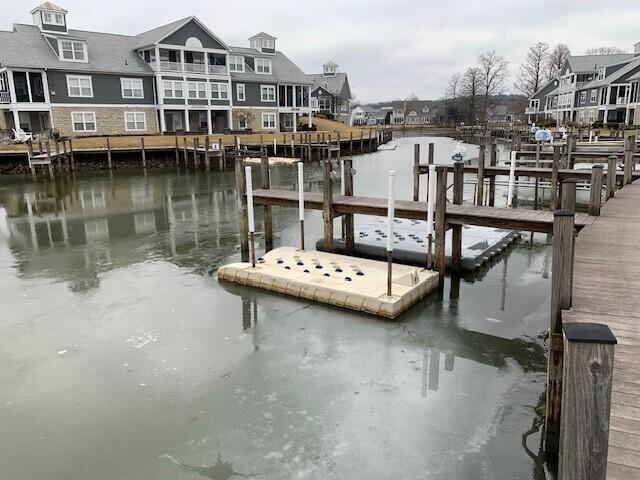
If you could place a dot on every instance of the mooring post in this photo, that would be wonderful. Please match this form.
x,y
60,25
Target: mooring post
x,y
555,166
563,237
416,172
361,141
586,400
143,153
196,144
350,143
493,158
301,202
49,165
177,153
206,153
241,202
109,160
30,156
456,233
480,187
58,161
184,151
512,178
250,217
629,145
570,145
223,155
71,156
611,176
265,178
348,218
595,200
391,209
568,200
327,205
431,201
441,211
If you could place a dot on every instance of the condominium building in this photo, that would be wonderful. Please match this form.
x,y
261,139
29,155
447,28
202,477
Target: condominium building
x,y
179,77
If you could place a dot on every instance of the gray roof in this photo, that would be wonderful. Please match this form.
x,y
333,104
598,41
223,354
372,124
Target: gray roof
x,y
332,84
108,53
50,7
284,70
590,63
414,106
263,35
156,34
618,74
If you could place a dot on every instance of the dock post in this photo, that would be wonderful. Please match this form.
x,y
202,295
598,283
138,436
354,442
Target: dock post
x,y
177,153
301,202
555,165
195,153
65,154
361,141
109,159
207,145
563,237
71,157
629,145
595,200
221,160
611,176
350,143
441,211
348,218
480,187
327,205
29,156
250,216
265,179
456,234
50,166
431,201
512,177
416,172
143,152
58,160
242,208
184,151
493,160
586,400
391,208
568,200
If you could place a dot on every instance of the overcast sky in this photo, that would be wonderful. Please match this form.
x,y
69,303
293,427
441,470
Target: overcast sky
x,y
389,48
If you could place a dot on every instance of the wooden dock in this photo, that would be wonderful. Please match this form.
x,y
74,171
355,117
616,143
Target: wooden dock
x,y
606,289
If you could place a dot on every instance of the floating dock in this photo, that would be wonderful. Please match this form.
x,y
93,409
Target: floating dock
x,y
347,282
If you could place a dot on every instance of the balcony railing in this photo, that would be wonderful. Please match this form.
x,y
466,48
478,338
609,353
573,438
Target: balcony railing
x,y
5,97
531,110
621,101
194,67
218,69
170,66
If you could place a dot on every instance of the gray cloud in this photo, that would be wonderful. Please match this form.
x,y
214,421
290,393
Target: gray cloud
x,y
389,49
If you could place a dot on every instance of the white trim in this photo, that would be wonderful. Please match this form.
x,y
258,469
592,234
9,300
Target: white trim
x,y
268,61
105,105
135,122
244,92
262,93
202,25
267,114
220,91
241,57
173,89
84,122
79,77
133,88
197,90
85,52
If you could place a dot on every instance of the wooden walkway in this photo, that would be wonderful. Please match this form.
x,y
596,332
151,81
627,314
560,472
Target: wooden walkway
x,y
511,218
606,289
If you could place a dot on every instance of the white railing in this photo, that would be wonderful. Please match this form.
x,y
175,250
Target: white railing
x,y
621,101
531,110
5,97
170,66
218,69
194,67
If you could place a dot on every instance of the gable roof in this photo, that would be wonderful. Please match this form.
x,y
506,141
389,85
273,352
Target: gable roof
x,y
617,75
108,53
283,69
414,106
590,63
156,35
50,7
334,84
263,35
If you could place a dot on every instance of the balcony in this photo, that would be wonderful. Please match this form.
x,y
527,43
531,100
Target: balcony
x,y
167,66
218,69
5,97
194,67
531,110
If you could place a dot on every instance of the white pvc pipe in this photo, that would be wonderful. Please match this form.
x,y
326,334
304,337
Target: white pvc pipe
x,y
431,198
274,147
590,136
512,177
391,209
301,190
342,185
252,226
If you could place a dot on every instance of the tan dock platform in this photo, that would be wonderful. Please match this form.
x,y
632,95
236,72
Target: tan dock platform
x,y
273,160
339,280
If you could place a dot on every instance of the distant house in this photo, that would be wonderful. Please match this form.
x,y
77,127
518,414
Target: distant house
x,y
499,114
332,91
358,116
413,112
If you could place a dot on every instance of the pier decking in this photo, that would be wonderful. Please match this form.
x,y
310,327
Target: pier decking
x,y
606,290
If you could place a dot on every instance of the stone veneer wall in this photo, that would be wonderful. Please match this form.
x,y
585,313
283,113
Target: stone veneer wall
x,y
109,120
254,118
3,119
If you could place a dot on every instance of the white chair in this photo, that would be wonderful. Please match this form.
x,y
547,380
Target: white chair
x,y
20,136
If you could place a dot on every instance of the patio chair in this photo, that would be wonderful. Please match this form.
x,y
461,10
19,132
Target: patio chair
x,y
20,136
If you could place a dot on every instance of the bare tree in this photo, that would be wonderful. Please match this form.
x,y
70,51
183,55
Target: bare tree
x,y
611,50
494,71
531,73
451,95
557,57
470,89
412,97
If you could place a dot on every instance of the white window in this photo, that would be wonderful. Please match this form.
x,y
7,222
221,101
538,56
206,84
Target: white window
x,y
79,86
131,88
52,18
197,90
241,92
594,95
268,120
72,51
135,121
583,97
220,91
268,93
263,65
601,73
83,121
581,116
592,116
236,63
268,43
242,122
173,89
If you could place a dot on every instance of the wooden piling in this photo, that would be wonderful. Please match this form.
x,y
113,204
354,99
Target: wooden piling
x,y
222,158
563,239
416,172
109,159
49,165
241,202
586,400
195,153
480,187
441,210
595,199
58,157
361,141
555,166
327,205
177,152
629,146
30,156
71,156
143,153
265,178
493,160
350,143
568,199
184,151
611,176
207,161
349,233
456,233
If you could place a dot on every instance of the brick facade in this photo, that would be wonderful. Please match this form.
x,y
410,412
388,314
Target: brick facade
x,y
109,120
253,118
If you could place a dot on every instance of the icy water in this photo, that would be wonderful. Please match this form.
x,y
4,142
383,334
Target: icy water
x,y
122,357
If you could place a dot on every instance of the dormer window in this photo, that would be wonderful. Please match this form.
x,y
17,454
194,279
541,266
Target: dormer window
x,y
263,65
268,43
51,18
264,43
236,63
601,74
72,50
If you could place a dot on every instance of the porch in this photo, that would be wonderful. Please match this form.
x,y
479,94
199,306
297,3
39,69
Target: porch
x,y
29,121
195,121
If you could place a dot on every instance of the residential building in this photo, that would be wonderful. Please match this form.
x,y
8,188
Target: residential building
x,y
591,88
179,77
413,112
332,92
499,114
